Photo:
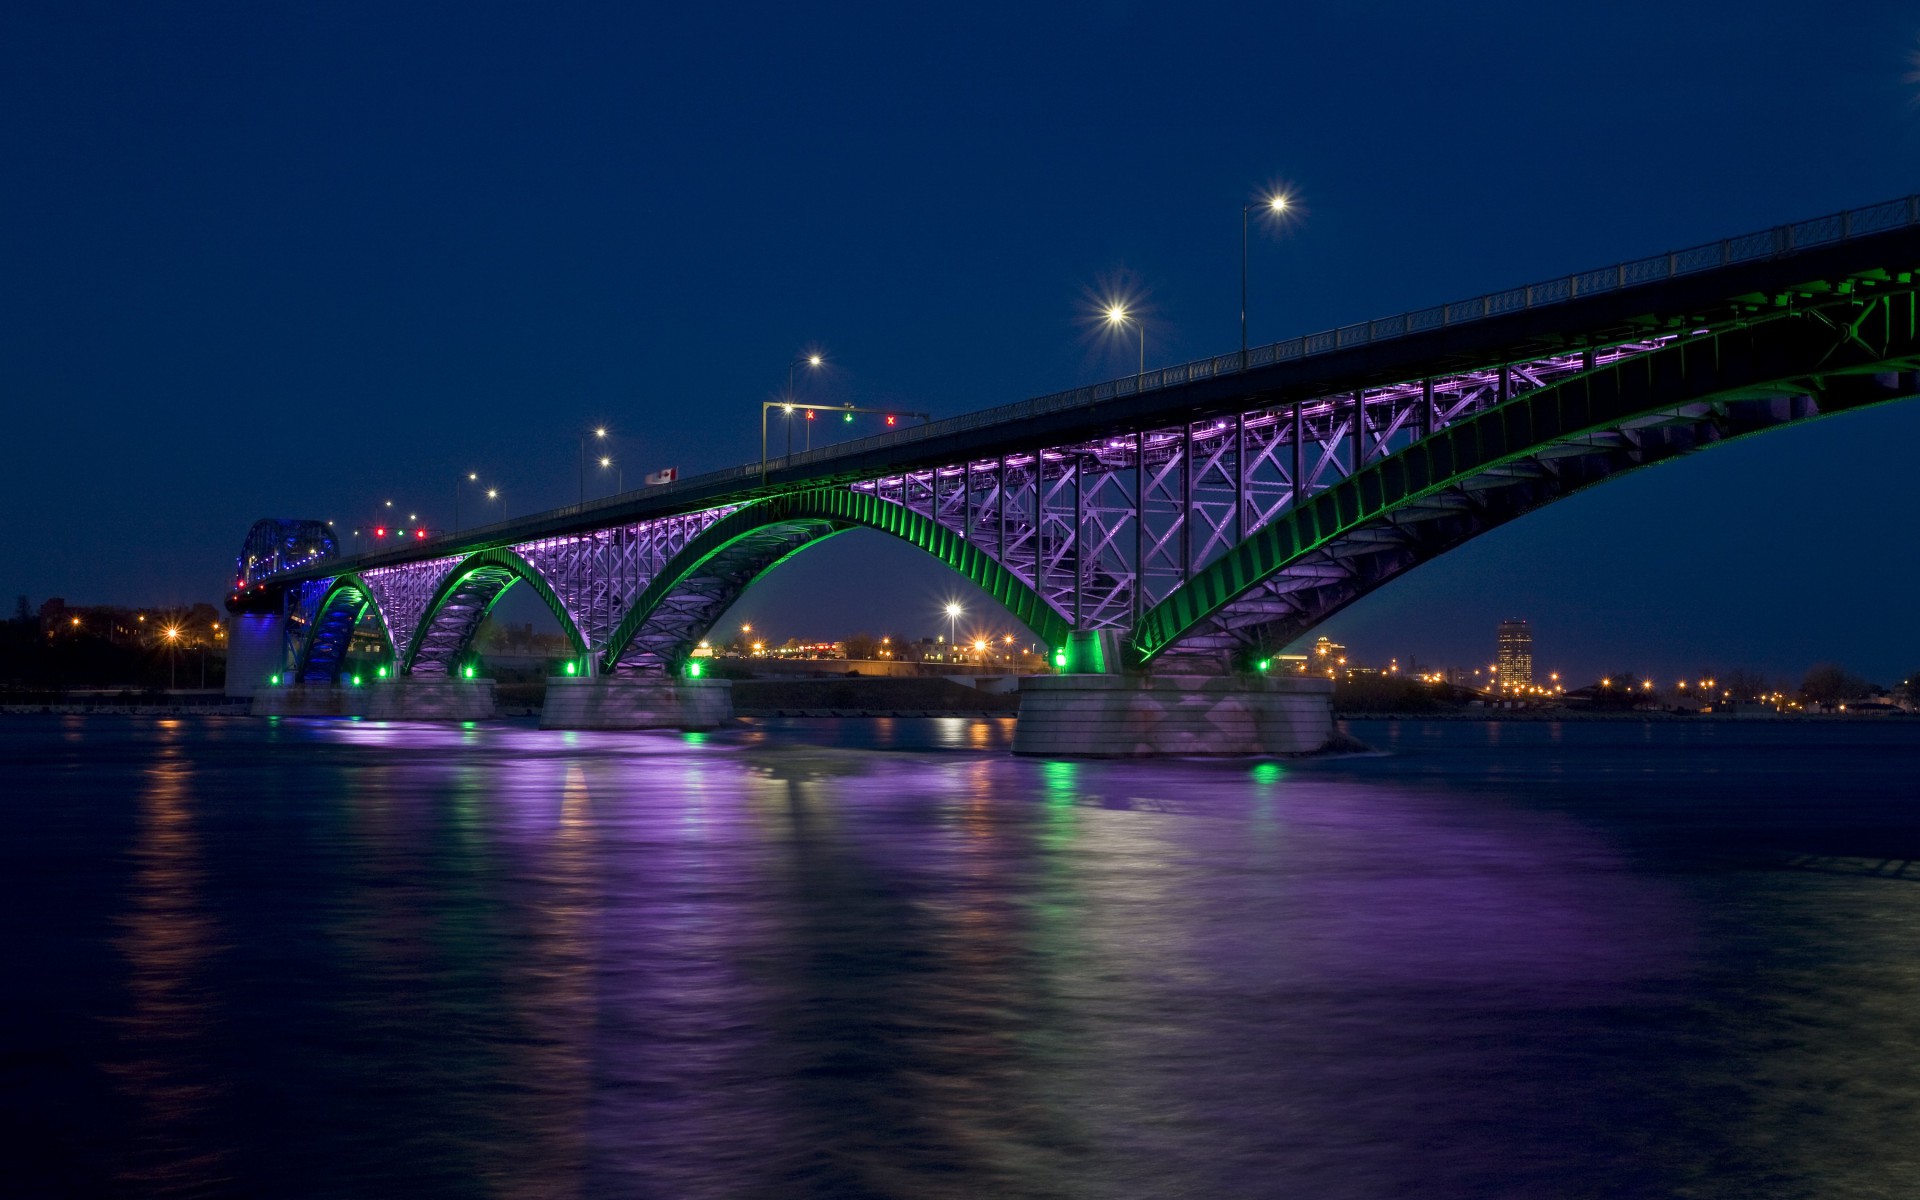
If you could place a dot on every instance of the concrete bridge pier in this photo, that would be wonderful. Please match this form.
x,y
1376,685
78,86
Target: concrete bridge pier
x,y
309,700
430,698
636,702
256,651
1147,715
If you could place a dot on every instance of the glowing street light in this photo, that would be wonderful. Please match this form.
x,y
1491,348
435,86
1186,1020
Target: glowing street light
x,y
172,634
811,361
1118,317
471,477
1276,205
953,620
600,433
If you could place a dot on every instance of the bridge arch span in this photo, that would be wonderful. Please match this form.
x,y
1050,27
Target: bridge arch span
x,y
341,607
1539,447
681,603
463,599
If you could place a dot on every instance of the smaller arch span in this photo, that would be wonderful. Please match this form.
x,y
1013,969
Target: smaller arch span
x,y
684,600
339,612
453,614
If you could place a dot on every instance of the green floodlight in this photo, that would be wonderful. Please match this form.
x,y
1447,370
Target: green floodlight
x,y
1060,659
1265,664
381,672
466,672
356,681
273,681
570,668
693,670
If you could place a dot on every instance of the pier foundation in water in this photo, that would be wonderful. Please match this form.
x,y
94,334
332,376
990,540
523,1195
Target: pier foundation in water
x,y
1144,716
636,702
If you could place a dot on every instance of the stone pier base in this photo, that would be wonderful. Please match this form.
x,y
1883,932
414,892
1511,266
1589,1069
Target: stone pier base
x,y
630,702
430,698
309,700
1137,716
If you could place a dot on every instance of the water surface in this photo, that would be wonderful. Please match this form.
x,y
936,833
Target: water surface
x,y
885,958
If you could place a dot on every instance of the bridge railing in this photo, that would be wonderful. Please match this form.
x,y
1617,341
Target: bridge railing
x,y
1781,241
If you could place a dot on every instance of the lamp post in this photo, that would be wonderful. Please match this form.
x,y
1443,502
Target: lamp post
x,y
619,473
786,406
1118,317
600,432
1276,204
811,360
173,656
953,624
472,477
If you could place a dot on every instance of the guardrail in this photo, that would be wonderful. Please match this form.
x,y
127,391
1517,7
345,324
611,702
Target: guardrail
x,y
1781,241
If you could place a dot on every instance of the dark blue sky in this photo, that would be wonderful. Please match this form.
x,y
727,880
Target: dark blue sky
x,y
272,263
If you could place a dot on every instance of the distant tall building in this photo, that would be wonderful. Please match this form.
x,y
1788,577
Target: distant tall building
x,y
1514,662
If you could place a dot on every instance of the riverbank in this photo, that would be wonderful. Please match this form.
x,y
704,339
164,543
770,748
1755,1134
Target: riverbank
x,y
1584,715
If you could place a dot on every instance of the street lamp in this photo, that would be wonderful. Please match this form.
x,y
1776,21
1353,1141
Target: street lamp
x,y
619,473
786,406
811,360
600,432
471,477
953,622
172,633
1118,317
1276,205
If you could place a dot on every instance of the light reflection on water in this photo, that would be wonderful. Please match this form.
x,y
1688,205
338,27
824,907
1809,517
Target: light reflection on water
x,y
886,958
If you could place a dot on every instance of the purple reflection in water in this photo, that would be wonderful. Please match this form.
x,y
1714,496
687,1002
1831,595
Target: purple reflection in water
x,y
846,958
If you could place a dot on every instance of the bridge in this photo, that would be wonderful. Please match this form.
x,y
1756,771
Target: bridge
x,y
1165,533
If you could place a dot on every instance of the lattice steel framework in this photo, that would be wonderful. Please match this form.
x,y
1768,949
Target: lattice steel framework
x,y
1105,530
1205,543
1204,538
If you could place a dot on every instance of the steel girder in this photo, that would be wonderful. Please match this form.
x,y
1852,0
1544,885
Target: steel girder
x,y
1540,446
683,601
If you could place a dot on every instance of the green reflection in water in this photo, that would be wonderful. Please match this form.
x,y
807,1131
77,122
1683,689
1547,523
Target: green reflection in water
x,y
694,739
1061,780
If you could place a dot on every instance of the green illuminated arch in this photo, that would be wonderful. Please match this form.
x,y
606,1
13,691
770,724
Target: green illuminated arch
x,y
1557,440
753,539
341,608
484,576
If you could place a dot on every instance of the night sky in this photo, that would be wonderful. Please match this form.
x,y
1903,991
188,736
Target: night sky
x,y
297,263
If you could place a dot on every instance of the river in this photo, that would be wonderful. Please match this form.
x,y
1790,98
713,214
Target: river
x,y
885,958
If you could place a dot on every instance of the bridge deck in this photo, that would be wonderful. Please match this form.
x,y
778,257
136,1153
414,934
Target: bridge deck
x,y
1711,285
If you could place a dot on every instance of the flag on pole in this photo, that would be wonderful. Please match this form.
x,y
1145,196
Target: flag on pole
x,y
656,478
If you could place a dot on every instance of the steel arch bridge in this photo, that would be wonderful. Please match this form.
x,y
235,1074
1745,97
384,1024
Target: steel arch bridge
x,y
1203,515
